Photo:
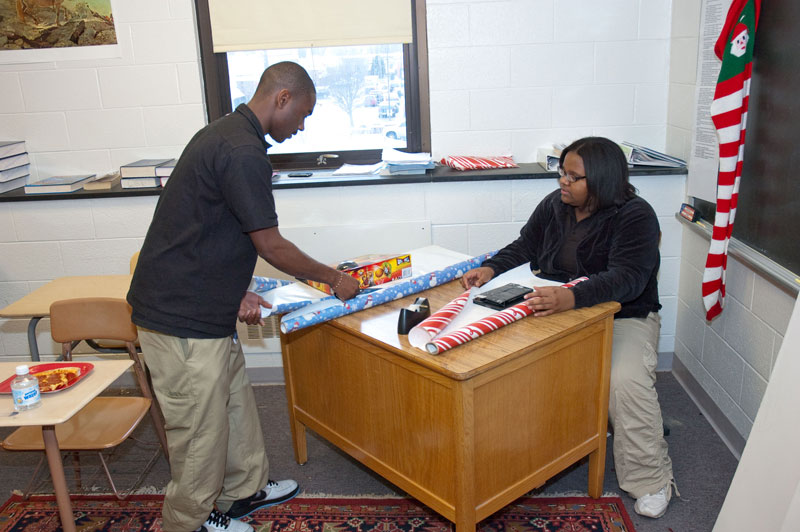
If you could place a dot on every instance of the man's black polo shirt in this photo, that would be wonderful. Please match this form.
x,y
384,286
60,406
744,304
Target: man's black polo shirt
x,y
197,259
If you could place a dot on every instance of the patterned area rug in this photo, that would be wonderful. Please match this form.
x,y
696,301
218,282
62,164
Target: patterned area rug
x,y
325,514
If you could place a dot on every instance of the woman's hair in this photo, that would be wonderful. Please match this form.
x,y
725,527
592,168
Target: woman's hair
x,y
606,171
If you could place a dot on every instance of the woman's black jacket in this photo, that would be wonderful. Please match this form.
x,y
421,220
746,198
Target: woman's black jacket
x,y
619,254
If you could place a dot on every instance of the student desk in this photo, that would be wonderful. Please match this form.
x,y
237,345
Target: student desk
x,y
57,408
36,305
465,432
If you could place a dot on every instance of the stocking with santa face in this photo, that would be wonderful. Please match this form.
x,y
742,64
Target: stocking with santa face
x,y
729,115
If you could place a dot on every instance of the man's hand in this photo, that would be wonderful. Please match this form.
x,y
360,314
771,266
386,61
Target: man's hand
x,y
477,277
286,257
346,287
546,300
250,308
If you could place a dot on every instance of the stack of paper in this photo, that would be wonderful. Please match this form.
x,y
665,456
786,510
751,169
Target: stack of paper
x,y
402,163
358,169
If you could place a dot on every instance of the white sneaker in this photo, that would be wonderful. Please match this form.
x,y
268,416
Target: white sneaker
x,y
654,505
219,522
272,494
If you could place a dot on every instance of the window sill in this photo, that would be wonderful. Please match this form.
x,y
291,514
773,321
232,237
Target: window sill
x,y
323,178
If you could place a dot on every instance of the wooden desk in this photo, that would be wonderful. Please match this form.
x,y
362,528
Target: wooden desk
x,y
57,408
465,432
36,305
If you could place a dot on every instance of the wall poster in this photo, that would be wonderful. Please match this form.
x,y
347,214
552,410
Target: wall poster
x,y
34,31
704,160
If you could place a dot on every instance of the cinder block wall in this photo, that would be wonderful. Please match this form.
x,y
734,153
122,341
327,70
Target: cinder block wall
x,y
732,357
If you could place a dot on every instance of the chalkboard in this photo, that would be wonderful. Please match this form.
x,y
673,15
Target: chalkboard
x,y
768,214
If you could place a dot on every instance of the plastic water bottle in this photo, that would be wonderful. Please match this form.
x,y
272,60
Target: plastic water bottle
x,y
25,389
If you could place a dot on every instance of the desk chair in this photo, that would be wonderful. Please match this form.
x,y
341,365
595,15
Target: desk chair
x,y
105,422
101,425
73,320
106,345
134,260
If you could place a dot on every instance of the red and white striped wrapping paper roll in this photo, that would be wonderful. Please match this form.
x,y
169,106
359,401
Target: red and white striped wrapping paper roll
x,y
471,162
428,328
486,325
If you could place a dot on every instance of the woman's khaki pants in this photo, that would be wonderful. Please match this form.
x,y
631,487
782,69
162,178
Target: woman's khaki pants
x,y
640,451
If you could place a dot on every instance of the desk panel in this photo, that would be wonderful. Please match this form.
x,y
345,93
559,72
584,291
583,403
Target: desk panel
x,y
465,432
37,303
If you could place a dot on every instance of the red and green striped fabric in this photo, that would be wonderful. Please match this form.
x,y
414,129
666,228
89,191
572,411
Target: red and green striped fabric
x,y
729,115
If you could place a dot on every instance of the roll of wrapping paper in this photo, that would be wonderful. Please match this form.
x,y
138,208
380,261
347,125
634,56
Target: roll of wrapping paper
x,y
314,313
481,327
263,284
285,308
431,326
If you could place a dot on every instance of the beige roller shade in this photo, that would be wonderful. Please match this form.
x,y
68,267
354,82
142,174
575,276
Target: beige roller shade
x,y
269,24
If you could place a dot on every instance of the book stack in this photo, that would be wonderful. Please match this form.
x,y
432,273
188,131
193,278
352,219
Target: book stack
x,y
165,170
402,163
142,173
58,184
14,165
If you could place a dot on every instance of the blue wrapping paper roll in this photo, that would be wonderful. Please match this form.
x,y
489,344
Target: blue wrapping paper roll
x,y
263,284
285,308
327,309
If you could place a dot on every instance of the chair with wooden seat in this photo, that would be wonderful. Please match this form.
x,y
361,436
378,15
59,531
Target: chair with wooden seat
x,y
106,345
134,261
72,320
101,425
106,421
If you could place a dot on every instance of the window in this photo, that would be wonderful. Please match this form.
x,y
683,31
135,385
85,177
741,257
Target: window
x,y
369,96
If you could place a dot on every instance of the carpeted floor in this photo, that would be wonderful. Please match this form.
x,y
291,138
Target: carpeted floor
x,y
142,513
702,464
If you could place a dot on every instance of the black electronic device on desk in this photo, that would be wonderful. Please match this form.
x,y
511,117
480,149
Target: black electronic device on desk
x,y
413,315
502,297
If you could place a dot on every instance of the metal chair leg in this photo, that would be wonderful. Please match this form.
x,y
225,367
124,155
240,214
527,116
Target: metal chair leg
x,y
29,488
76,467
124,494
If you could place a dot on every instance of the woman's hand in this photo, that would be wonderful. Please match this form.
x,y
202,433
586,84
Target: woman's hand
x,y
546,300
477,277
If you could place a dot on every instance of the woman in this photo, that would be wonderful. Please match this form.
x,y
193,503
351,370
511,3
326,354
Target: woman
x,y
596,226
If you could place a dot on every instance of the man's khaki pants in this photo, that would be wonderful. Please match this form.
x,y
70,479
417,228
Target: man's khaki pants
x,y
640,451
216,447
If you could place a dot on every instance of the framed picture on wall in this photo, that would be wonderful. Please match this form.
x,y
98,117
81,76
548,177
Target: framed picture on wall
x,y
34,31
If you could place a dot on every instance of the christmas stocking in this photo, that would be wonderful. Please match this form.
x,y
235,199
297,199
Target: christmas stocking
x,y
729,115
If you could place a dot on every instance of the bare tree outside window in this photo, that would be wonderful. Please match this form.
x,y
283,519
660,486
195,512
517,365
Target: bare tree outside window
x,y
345,82
360,95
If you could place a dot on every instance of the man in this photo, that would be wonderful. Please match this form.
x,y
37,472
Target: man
x,y
212,221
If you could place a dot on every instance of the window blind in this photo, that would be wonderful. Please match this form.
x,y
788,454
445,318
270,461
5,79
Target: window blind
x,y
269,24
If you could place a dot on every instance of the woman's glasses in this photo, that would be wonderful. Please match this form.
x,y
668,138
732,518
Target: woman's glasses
x,y
569,177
